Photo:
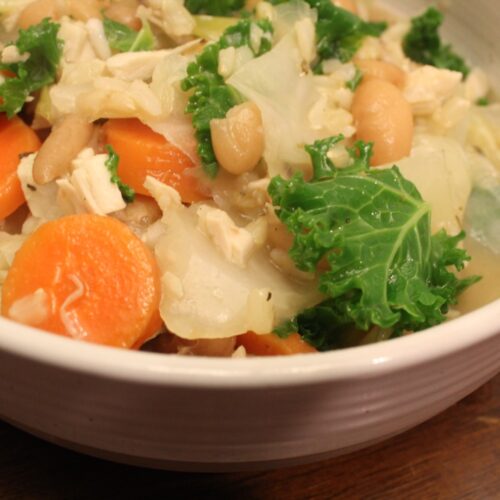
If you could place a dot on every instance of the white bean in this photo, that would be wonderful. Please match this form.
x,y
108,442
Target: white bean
x,y
124,13
238,139
383,116
67,139
381,70
37,11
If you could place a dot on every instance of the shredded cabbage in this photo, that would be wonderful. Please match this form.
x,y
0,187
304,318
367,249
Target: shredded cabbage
x,y
439,168
207,296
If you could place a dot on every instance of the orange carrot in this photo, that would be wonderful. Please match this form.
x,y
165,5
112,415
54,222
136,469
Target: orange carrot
x,y
100,283
143,152
272,345
16,138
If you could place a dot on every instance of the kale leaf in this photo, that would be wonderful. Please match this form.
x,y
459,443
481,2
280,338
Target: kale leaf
x,y
212,97
339,33
128,194
214,7
423,44
355,82
44,51
371,229
124,39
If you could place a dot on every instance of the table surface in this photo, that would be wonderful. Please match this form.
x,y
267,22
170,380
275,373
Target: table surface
x,y
455,455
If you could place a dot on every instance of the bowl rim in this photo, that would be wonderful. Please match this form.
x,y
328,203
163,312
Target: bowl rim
x,y
147,368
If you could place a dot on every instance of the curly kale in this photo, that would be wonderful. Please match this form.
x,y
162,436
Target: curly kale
x,y
43,51
211,97
371,229
128,194
339,33
214,7
423,44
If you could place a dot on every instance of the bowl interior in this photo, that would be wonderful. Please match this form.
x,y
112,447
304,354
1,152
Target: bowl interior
x,y
472,28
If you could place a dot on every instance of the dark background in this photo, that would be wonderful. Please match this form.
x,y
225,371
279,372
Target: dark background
x,y
453,456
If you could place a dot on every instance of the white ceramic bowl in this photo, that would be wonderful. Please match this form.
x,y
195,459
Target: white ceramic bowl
x,y
218,414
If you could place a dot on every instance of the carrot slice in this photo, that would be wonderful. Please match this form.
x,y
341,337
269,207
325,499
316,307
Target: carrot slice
x,y
16,138
143,152
100,282
272,345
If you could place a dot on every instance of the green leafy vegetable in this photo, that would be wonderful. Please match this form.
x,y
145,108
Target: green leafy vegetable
x,y
212,27
214,7
423,44
124,39
339,33
372,228
128,194
356,80
211,97
44,49
483,101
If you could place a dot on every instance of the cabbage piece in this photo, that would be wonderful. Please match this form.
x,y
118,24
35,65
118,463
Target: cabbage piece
x,y
118,87
42,200
482,219
143,65
439,168
77,45
132,66
206,296
484,132
169,15
211,28
114,98
178,130
174,124
77,80
286,15
9,245
276,83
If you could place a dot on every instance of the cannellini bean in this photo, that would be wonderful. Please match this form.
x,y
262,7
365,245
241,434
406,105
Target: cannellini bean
x,y
67,139
83,10
238,139
383,116
140,214
35,12
382,70
347,5
124,13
